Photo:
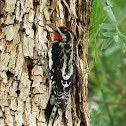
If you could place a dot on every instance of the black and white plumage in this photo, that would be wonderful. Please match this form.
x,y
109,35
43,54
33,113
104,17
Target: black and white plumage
x,y
61,67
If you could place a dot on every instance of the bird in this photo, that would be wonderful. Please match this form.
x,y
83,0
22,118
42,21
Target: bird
x,y
61,60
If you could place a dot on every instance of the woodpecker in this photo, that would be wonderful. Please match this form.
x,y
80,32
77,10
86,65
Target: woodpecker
x,y
61,67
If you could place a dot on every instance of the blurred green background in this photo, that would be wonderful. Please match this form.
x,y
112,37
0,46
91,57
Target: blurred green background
x,y
107,63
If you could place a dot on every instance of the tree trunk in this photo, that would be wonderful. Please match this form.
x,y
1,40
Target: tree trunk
x,y
24,91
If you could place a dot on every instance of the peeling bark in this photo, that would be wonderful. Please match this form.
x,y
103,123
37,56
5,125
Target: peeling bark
x,y
23,90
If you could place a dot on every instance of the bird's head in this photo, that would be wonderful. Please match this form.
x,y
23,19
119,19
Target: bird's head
x,y
62,33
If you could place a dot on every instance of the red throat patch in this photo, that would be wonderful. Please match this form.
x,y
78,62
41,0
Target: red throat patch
x,y
57,36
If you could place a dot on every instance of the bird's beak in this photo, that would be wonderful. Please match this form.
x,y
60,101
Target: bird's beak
x,y
57,30
53,27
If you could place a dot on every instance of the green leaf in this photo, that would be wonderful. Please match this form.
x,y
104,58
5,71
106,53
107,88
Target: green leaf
x,y
123,45
108,3
109,34
97,31
106,43
107,26
90,67
94,12
122,37
116,38
96,51
112,49
110,13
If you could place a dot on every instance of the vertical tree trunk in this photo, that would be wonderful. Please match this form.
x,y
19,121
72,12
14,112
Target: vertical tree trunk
x,y
23,91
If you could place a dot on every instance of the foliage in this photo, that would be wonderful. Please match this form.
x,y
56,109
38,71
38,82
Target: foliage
x,y
107,63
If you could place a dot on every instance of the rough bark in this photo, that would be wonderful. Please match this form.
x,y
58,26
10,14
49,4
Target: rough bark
x,y
23,33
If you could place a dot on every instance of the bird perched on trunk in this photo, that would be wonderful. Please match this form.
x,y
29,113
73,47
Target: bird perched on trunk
x,y
61,67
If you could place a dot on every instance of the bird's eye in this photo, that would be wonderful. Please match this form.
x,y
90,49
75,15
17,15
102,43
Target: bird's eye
x,y
65,29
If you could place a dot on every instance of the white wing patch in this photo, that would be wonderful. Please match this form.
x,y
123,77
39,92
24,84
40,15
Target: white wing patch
x,y
50,58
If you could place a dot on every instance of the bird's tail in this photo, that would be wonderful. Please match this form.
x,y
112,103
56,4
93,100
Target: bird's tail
x,y
51,113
